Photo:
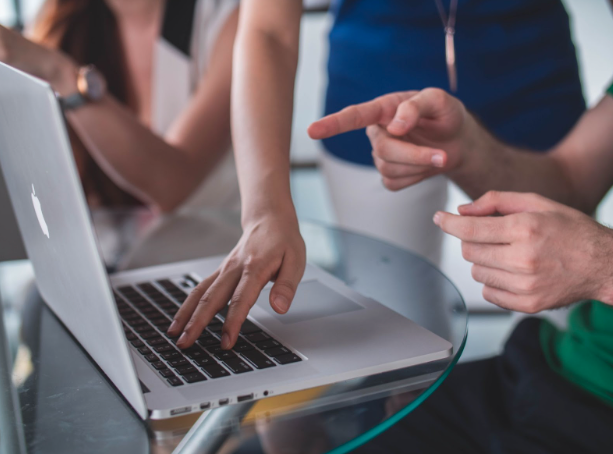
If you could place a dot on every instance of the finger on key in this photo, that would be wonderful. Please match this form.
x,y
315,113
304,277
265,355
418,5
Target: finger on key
x,y
213,300
245,296
189,305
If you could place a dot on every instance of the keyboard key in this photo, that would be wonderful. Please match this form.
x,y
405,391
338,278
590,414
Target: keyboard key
x,y
215,328
257,337
209,342
205,361
174,381
237,366
225,354
288,358
166,373
142,328
157,341
144,351
178,362
277,351
163,348
250,327
170,355
188,369
213,349
137,343
194,377
215,371
151,357
163,327
159,365
149,334
130,336
206,335
258,359
266,345
194,352
242,346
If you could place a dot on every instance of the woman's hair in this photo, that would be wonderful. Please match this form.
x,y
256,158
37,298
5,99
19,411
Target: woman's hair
x,y
87,31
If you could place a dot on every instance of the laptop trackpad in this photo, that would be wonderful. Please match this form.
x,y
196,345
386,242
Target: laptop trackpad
x,y
313,300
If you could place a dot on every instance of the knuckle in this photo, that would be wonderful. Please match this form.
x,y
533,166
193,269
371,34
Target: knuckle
x,y
436,95
391,185
467,251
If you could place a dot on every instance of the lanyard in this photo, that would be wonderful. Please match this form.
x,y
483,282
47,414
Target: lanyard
x,y
449,26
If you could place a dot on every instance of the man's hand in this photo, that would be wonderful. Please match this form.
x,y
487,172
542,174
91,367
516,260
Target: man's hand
x,y
269,250
415,135
538,255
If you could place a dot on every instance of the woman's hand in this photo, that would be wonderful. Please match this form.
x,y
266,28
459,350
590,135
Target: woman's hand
x,y
270,249
47,64
538,255
415,135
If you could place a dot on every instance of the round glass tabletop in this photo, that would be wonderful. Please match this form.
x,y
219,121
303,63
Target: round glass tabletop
x,y
65,404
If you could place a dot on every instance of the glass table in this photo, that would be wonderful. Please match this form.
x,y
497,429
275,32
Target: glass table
x,y
55,399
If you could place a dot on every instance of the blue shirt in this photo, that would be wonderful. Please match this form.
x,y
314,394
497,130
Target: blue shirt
x,y
516,64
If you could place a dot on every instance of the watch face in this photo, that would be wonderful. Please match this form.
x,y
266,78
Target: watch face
x,y
94,84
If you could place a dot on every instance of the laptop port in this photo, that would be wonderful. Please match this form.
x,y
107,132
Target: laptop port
x,y
244,398
180,411
205,406
224,401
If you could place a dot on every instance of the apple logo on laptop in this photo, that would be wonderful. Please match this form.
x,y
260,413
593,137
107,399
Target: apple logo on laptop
x,y
39,213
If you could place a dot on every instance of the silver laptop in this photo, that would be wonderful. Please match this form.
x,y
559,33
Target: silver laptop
x,y
331,333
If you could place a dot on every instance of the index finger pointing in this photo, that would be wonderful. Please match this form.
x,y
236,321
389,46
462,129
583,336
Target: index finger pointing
x,y
492,230
378,111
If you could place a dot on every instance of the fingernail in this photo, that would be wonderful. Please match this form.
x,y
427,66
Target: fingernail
x,y
398,124
465,205
437,218
281,303
438,160
172,326
182,340
225,341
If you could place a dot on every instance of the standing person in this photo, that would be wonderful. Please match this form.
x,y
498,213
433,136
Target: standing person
x,y
516,68
146,90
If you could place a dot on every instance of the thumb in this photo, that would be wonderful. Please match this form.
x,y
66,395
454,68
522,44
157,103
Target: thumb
x,y
495,202
286,284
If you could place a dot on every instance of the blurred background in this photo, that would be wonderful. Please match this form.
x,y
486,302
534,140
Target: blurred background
x,y
592,26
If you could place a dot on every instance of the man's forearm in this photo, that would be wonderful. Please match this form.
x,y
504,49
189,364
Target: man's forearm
x,y
489,164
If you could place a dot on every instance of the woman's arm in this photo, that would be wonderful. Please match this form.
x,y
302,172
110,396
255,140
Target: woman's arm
x,y
271,247
162,171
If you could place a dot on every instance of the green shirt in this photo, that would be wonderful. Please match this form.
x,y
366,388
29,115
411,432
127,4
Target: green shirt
x,y
583,354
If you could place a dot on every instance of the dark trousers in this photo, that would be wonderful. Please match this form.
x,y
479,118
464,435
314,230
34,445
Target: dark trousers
x,y
513,403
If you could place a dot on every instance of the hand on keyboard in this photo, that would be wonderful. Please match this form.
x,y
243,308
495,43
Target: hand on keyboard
x,y
269,250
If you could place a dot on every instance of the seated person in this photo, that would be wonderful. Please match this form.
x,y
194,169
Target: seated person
x,y
534,247
160,134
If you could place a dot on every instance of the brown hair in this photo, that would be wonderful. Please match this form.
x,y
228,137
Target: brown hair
x,y
87,31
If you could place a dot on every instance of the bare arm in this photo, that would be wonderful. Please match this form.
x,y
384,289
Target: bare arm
x,y
262,102
416,135
164,171
271,248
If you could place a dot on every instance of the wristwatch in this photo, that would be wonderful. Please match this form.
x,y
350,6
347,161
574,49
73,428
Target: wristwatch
x,y
91,87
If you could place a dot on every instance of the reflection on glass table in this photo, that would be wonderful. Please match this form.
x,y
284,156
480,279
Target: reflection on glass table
x,y
67,405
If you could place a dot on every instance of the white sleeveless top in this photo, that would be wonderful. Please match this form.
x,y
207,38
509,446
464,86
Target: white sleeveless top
x,y
189,32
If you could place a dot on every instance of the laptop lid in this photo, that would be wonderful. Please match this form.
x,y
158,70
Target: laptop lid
x,y
53,217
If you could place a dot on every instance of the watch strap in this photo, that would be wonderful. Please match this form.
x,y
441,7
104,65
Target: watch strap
x,y
73,101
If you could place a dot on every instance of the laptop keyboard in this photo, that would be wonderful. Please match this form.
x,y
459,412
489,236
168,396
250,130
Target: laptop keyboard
x,y
147,309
